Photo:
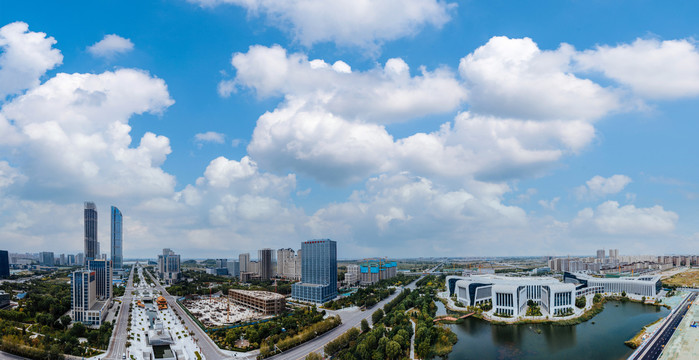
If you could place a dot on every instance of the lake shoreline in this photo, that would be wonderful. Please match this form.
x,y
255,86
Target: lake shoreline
x,y
585,316
605,334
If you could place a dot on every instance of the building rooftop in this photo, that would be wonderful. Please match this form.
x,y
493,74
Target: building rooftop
x,y
309,284
98,305
265,295
645,278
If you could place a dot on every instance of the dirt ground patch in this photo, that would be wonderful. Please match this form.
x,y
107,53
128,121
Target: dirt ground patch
x,y
689,278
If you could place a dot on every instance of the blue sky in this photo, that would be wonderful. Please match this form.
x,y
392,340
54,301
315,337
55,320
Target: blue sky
x,y
398,128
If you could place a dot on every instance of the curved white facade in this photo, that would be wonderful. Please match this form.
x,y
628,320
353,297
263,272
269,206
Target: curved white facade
x,y
509,295
648,286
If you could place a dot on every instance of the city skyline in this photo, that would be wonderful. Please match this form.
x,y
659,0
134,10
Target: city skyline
x,y
503,136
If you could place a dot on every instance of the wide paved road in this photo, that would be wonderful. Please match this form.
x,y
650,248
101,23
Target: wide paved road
x,y
208,348
117,345
349,321
8,356
654,347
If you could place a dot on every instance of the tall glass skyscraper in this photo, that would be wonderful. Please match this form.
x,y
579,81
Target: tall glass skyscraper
x,y
91,245
117,239
4,264
265,258
318,272
103,278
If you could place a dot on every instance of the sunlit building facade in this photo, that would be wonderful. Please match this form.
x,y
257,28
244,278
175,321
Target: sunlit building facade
x,y
318,272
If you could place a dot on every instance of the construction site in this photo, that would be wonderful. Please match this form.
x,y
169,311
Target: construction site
x,y
240,307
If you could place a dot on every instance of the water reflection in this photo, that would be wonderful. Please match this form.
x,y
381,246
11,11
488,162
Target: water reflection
x,y
559,337
506,334
478,339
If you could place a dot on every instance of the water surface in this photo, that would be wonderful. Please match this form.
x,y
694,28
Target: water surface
x,y
604,339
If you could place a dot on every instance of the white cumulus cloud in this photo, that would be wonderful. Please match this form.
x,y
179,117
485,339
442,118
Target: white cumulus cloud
x,y
110,46
399,211
359,23
610,218
651,68
24,57
599,186
514,78
386,94
73,135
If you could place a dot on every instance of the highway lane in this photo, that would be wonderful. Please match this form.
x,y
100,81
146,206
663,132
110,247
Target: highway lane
x,y
8,356
348,321
117,345
207,346
654,346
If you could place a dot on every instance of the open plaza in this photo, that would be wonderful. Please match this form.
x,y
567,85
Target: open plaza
x,y
156,332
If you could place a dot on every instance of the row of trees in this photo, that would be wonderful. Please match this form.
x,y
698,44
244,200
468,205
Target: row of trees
x,y
278,329
392,331
270,346
370,295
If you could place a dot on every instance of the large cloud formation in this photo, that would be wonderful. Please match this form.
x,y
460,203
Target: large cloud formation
x,y
72,133
361,23
69,137
330,124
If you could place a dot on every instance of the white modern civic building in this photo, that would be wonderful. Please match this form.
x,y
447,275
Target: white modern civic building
x,y
509,295
648,286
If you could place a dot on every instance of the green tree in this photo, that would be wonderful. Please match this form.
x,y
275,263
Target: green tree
x,y
597,298
377,316
65,321
313,356
580,302
365,325
78,330
393,350
363,351
423,349
623,294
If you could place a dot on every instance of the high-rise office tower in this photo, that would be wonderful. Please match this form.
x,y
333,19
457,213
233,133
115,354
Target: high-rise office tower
x,y
221,263
80,259
86,305
244,260
169,266
82,295
265,258
70,259
233,268
103,278
92,251
117,240
46,258
4,264
318,273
